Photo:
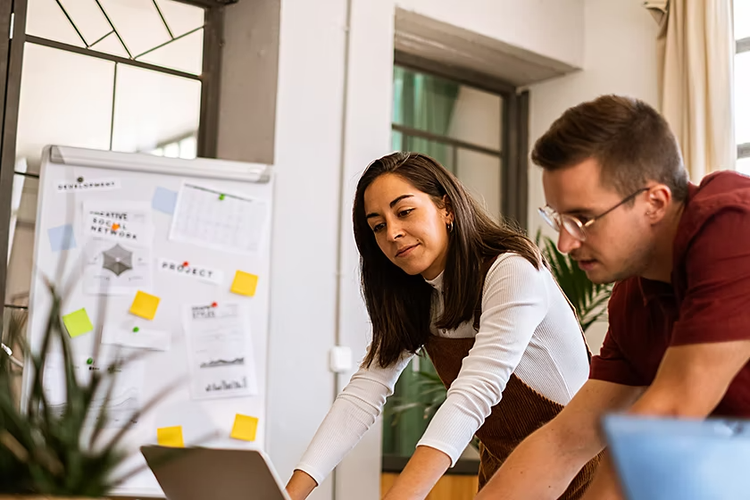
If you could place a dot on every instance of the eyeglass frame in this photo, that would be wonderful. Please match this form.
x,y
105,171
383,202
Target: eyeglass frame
x,y
556,219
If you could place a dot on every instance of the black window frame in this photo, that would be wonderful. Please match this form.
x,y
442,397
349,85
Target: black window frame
x,y
13,15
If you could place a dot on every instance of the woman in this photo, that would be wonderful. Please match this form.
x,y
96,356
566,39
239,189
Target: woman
x,y
438,273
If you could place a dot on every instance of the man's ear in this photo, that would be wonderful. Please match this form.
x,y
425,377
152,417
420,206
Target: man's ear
x,y
659,198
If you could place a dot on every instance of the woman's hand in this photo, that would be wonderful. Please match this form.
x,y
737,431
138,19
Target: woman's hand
x,y
300,485
419,476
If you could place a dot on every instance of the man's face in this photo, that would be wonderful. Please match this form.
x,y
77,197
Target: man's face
x,y
617,246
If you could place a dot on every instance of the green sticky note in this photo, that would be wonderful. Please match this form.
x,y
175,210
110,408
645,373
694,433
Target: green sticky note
x,y
77,323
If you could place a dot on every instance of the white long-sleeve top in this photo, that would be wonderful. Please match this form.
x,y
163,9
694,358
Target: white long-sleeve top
x,y
526,328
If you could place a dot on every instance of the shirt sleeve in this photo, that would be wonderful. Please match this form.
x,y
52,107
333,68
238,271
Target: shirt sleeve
x,y
353,412
715,306
514,303
611,364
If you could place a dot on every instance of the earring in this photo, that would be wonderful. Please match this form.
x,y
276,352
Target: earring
x,y
450,227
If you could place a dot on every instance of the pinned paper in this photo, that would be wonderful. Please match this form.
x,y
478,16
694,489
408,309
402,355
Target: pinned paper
x,y
244,428
244,283
144,305
170,436
164,200
77,323
61,238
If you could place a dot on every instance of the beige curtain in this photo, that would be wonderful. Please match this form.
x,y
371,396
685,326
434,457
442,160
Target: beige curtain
x,y
696,72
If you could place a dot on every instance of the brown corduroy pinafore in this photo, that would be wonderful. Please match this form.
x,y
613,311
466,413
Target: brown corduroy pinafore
x,y
520,412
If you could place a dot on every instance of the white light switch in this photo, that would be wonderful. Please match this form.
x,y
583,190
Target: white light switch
x,y
340,359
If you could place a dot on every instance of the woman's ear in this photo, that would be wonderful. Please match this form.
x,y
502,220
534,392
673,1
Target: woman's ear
x,y
447,209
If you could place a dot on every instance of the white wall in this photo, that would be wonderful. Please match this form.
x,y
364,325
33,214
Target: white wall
x,y
325,137
619,58
552,28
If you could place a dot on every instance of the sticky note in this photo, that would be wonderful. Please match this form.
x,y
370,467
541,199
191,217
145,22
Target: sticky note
x,y
170,436
77,323
144,305
61,238
244,427
164,200
244,283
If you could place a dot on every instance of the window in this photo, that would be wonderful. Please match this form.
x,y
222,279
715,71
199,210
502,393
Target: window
x,y
120,75
742,83
468,125
456,124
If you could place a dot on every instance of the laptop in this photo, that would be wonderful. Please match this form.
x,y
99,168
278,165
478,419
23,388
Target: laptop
x,y
660,459
218,474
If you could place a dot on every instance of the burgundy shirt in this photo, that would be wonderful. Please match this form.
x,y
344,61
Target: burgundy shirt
x,y
707,301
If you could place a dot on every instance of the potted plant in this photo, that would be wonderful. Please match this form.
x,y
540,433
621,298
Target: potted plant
x,y
57,454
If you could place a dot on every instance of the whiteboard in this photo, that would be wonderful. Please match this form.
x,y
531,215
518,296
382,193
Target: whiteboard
x,y
157,238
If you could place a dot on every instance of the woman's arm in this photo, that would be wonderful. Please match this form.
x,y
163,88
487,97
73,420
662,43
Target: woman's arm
x,y
352,414
300,485
514,303
419,476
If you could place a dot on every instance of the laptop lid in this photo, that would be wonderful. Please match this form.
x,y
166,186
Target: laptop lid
x,y
208,473
664,459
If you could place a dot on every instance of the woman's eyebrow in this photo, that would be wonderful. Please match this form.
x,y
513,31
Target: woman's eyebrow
x,y
392,204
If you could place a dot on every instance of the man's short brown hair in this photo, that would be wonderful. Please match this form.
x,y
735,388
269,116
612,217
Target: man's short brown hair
x,y
629,139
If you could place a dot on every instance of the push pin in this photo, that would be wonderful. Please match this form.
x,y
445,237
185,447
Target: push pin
x,y
221,196
90,361
136,329
115,227
185,264
80,179
214,304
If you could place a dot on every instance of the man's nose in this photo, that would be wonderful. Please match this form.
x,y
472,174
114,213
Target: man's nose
x,y
566,243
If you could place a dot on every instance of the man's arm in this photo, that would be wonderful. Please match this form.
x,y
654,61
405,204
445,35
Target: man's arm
x,y
545,463
691,381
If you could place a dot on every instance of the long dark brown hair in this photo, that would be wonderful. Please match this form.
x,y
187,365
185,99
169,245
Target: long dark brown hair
x,y
399,304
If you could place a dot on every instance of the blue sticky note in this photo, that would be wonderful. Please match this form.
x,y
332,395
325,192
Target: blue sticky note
x,y
61,238
164,200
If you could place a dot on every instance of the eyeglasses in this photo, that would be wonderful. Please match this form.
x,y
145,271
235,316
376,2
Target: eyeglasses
x,y
572,224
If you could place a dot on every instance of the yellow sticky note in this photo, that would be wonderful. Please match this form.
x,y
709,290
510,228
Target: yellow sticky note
x,y
244,283
170,436
244,427
77,323
144,305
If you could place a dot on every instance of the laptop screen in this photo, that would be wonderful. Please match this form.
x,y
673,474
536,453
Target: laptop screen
x,y
660,459
219,474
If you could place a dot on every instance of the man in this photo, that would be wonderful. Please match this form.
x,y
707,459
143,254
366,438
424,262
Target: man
x,y
678,343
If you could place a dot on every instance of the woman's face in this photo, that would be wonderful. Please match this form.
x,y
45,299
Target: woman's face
x,y
409,228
